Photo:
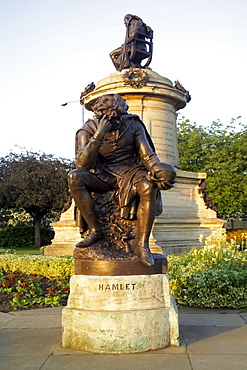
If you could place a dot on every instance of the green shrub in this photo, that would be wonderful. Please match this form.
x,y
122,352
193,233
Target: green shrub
x,y
49,266
3,251
23,236
213,288
214,276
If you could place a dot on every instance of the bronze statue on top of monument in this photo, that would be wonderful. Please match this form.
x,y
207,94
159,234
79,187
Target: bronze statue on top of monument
x,y
115,154
138,45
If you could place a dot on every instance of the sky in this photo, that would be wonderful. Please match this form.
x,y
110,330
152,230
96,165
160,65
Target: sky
x,y
52,49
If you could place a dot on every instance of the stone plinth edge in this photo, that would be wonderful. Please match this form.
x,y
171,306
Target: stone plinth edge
x,y
156,85
120,268
120,314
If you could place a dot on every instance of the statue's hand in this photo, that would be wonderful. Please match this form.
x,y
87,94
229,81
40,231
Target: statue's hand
x,y
104,126
164,175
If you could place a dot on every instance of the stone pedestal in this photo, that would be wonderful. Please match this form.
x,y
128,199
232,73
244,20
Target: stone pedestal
x,y
156,103
184,215
119,314
66,235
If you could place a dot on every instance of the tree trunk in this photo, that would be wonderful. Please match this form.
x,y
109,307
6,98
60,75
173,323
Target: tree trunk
x,y
37,238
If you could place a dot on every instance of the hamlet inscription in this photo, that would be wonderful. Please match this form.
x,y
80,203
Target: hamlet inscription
x,y
129,286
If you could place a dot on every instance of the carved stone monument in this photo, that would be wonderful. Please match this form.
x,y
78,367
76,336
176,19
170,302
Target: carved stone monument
x,y
156,101
120,314
120,300
154,98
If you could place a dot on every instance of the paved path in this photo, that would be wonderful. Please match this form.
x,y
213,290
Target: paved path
x,y
210,339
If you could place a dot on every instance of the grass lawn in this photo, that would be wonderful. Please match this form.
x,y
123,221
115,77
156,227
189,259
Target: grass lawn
x,y
22,251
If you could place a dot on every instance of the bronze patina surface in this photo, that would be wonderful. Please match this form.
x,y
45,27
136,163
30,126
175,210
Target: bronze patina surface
x,y
117,183
138,45
120,267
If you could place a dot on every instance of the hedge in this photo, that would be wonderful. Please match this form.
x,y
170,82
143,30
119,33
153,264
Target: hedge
x,y
23,237
49,266
214,276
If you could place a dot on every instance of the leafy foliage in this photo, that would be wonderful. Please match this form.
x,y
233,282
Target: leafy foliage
x,y
52,266
22,236
214,276
13,217
34,182
34,281
220,151
30,290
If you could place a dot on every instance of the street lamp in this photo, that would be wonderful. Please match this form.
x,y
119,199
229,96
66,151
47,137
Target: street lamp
x,y
75,101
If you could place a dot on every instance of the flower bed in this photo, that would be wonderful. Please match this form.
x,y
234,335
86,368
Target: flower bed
x,y
19,290
34,281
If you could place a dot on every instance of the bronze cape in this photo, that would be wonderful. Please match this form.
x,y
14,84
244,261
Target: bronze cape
x,y
123,167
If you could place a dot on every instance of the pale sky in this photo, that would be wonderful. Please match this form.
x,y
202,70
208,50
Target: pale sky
x,y
52,49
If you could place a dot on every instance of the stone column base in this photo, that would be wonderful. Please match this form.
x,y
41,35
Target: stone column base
x,y
120,314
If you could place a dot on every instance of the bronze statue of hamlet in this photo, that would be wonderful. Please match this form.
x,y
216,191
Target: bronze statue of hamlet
x,y
115,152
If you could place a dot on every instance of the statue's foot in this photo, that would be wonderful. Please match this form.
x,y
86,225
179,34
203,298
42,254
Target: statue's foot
x,y
91,238
145,255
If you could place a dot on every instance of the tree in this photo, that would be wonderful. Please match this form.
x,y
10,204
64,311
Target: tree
x,y
34,182
220,151
14,217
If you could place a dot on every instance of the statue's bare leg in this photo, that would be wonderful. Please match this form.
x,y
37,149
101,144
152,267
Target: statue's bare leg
x,y
145,218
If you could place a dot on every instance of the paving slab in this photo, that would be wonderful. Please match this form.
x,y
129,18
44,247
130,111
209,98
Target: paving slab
x,y
219,362
35,321
230,342
169,350
191,334
208,311
190,319
243,315
41,311
210,339
26,342
118,362
22,362
5,317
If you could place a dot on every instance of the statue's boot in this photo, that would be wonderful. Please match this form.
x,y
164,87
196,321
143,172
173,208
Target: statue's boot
x,y
142,250
145,218
91,238
86,206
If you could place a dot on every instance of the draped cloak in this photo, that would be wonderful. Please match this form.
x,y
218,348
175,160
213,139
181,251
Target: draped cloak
x,y
125,165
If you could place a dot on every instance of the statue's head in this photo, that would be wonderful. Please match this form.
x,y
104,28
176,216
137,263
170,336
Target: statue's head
x,y
112,105
128,18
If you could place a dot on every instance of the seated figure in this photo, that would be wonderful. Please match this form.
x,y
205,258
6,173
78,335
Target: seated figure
x,y
115,151
137,46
